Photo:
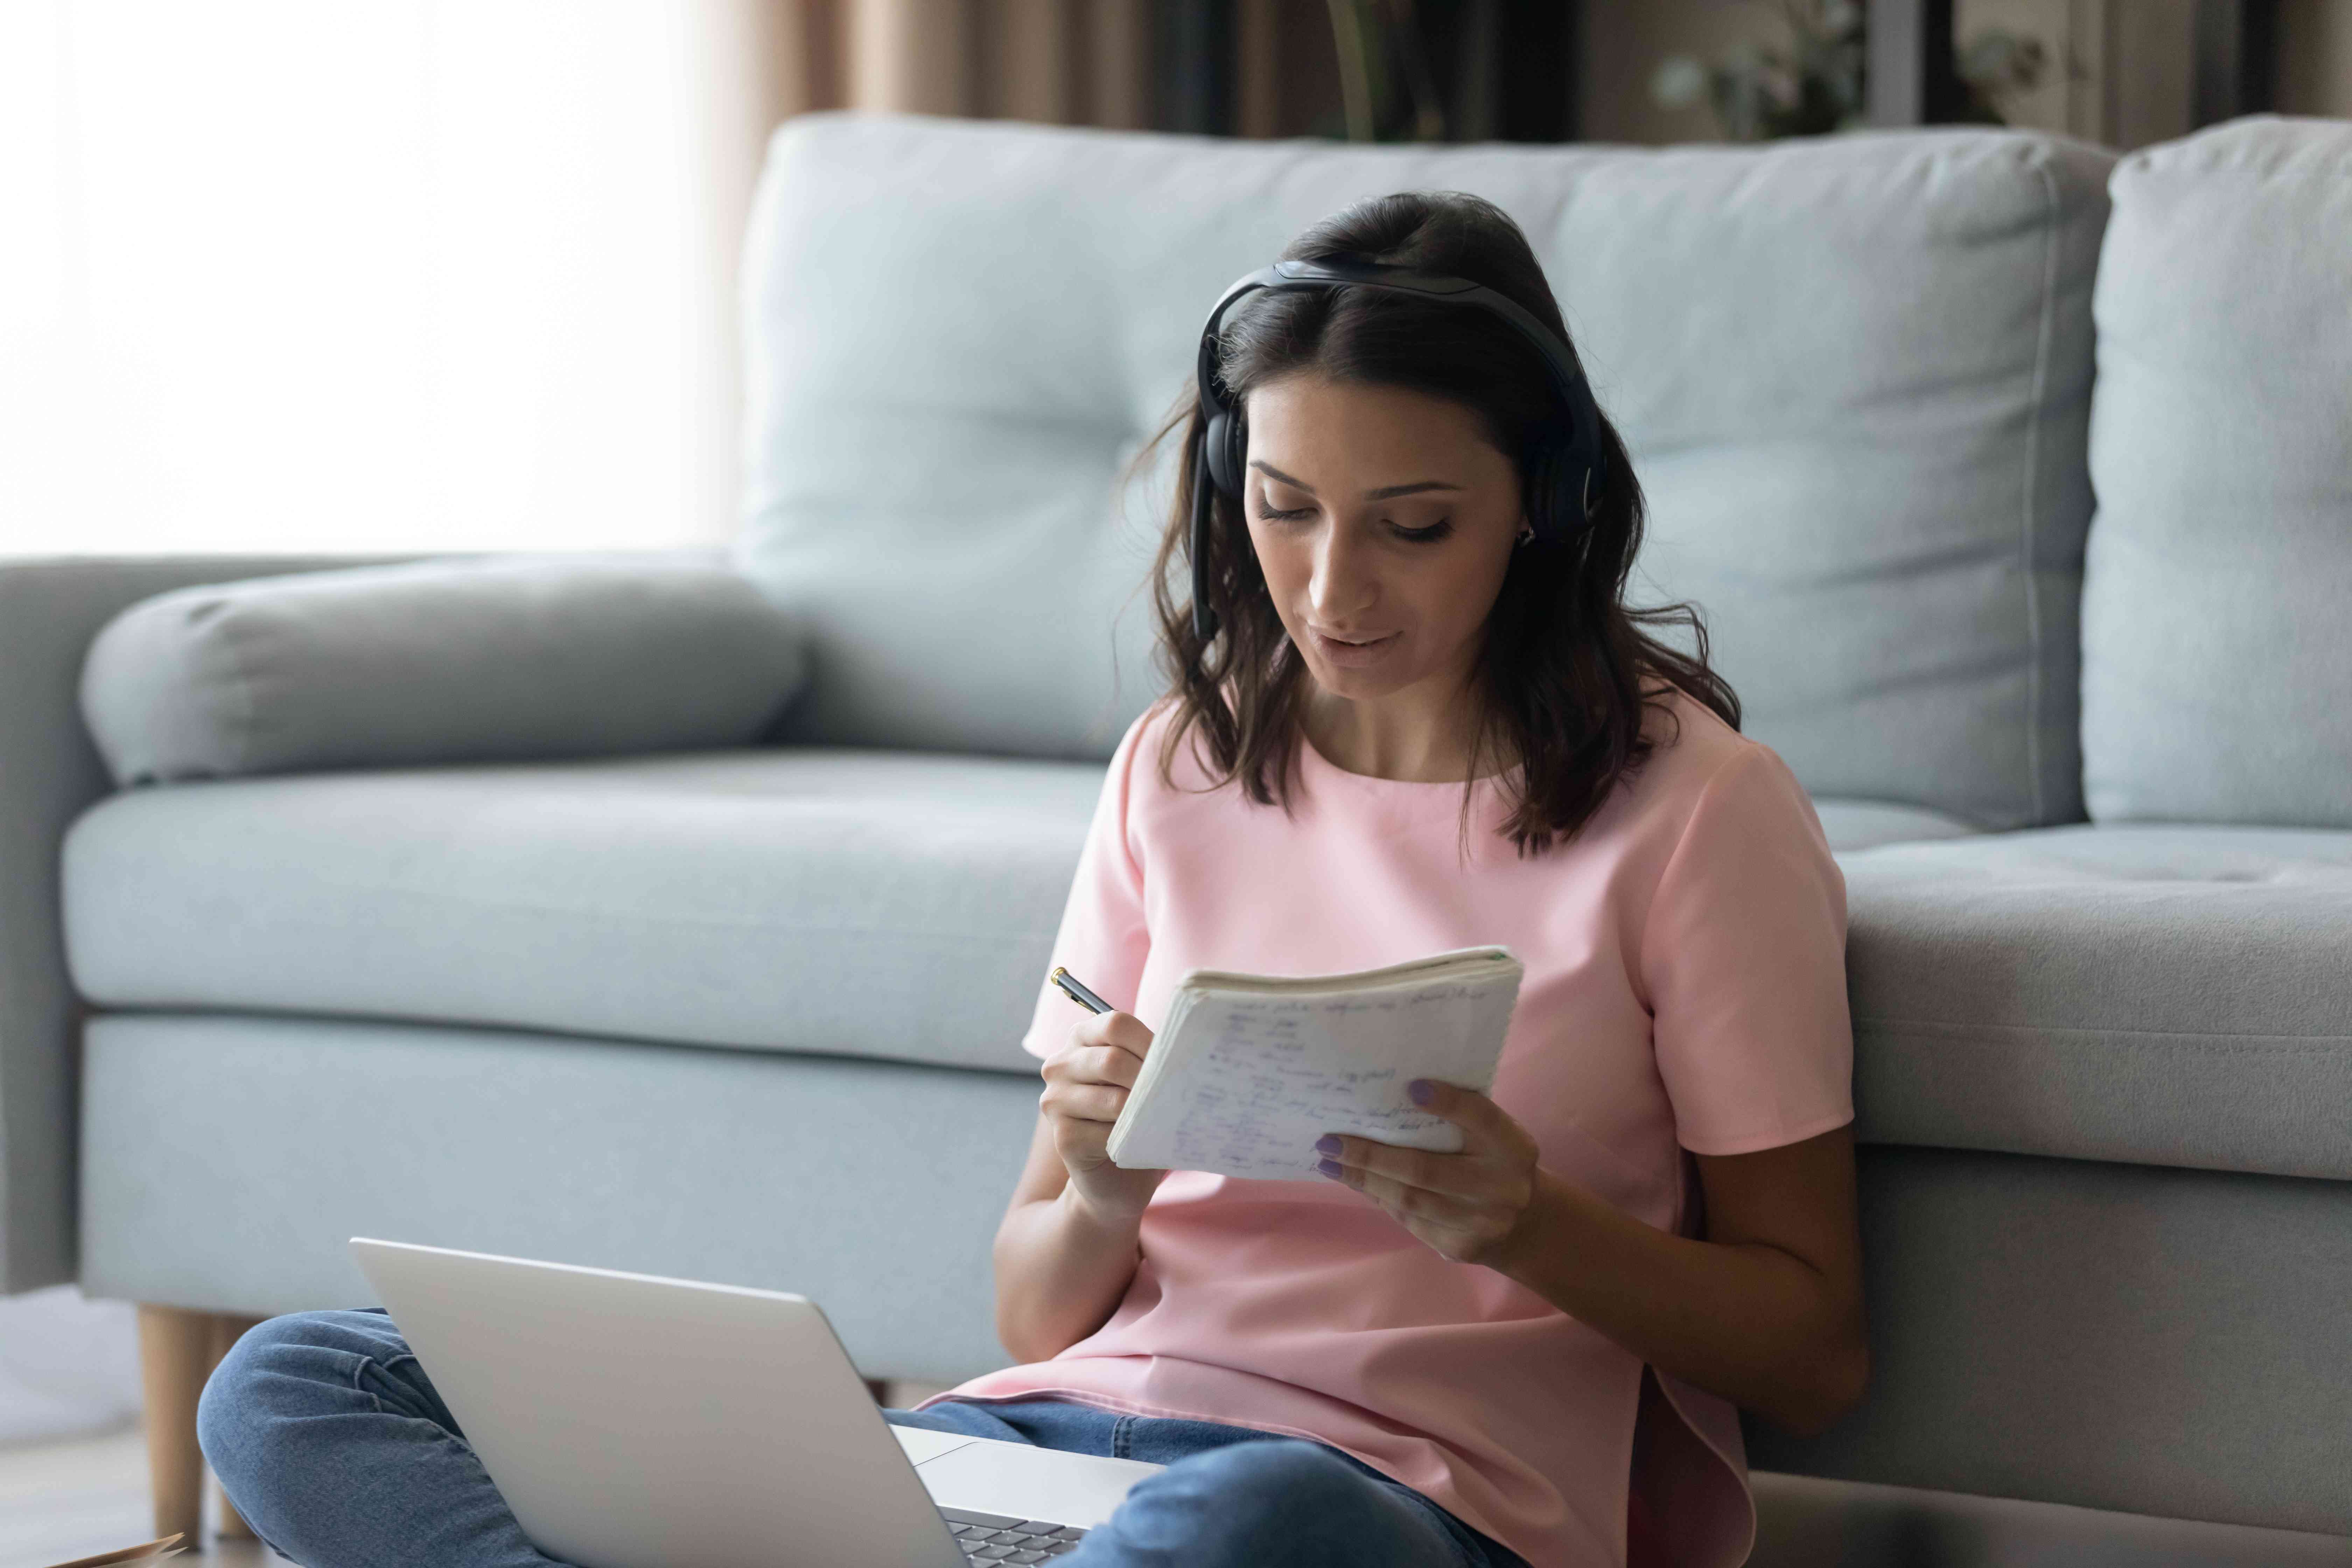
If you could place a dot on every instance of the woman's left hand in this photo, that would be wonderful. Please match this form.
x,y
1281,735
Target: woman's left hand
x,y
1466,1205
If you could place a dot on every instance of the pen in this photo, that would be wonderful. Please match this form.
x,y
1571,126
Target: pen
x,y
1077,993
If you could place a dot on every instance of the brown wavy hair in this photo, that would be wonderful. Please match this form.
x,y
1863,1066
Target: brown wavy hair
x,y
1567,668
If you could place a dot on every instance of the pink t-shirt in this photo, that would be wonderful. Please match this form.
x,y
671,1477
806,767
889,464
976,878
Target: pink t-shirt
x,y
1685,990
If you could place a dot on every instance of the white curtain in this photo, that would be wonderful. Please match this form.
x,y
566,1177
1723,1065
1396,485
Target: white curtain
x,y
293,274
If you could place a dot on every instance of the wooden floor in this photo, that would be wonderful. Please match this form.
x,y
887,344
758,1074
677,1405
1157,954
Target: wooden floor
x,y
61,1499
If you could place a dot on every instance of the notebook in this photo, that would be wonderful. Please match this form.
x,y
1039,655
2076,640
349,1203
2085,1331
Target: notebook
x,y
1248,1071
150,1551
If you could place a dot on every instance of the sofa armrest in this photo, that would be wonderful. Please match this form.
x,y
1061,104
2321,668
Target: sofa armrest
x,y
49,611
50,771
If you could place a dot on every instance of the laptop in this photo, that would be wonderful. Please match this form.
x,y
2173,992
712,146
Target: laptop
x,y
632,1421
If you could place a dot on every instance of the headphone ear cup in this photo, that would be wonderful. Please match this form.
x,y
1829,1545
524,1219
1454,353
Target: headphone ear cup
x,y
1227,442
1560,481
1552,522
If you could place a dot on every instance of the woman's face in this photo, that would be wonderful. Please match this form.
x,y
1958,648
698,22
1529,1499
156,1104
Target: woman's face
x,y
1384,520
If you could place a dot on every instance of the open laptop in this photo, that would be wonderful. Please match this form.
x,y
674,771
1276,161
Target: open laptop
x,y
637,1422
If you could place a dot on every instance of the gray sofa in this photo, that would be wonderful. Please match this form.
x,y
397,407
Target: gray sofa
x,y
2016,482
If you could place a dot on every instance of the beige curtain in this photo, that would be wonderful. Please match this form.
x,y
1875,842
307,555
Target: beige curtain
x,y
1065,62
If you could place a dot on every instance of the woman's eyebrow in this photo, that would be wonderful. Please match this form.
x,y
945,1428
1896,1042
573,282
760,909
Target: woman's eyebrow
x,y
1385,492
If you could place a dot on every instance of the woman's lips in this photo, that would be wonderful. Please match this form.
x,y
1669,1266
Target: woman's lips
x,y
1355,653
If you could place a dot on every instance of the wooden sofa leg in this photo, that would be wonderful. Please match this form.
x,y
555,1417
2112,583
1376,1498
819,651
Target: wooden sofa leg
x,y
176,1356
178,1349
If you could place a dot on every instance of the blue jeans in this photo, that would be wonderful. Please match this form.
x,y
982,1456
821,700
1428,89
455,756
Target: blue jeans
x,y
329,1437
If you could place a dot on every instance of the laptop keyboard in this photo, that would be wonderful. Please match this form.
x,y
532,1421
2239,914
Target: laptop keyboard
x,y
998,1538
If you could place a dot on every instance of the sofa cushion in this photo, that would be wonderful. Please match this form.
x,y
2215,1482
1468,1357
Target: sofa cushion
x,y
438,661
1851,824
1853,371
899,905
2171,995
2217,651
877,905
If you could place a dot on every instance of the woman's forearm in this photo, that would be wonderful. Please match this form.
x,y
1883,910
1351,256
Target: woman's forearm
x,y
1061,1268
1756,1324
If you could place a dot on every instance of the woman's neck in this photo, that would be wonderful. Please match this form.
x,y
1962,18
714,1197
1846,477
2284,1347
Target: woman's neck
x,y
1411,736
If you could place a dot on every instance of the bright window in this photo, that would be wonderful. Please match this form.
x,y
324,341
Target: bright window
x,y
285,275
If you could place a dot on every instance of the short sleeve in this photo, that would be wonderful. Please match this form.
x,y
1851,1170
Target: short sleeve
x,y
1743,955
1103,939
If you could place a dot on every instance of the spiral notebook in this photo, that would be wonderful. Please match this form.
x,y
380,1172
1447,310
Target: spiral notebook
x,y
1248,1071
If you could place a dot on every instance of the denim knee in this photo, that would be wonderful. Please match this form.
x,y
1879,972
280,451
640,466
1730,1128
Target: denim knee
x,y
282,1368
1281,1500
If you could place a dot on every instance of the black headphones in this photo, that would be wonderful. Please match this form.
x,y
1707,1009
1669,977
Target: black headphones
x,y
1564,478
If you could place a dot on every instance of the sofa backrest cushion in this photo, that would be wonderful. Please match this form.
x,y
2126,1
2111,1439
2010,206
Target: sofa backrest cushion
x,y
2217,618
1853,371
489,659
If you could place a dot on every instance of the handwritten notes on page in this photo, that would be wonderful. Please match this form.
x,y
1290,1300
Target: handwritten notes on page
x,y
1248,1071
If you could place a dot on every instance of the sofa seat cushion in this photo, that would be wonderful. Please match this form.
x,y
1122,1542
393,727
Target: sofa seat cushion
x,y
872,904
887,904
2177,995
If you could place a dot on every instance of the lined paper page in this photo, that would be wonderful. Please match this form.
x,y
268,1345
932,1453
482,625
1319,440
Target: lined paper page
x,y
1250,1081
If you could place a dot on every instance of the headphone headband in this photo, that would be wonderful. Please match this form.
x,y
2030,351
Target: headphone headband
x,y
1579,474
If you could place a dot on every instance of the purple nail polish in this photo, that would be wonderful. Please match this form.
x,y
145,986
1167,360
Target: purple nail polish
x,y
1329,1167
1328,1144
1421,1090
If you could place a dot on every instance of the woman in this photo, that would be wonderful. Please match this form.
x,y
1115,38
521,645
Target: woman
x,y
1410,719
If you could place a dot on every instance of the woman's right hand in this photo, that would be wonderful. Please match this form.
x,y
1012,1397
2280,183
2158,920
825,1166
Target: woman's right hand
x,y
1086,1084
